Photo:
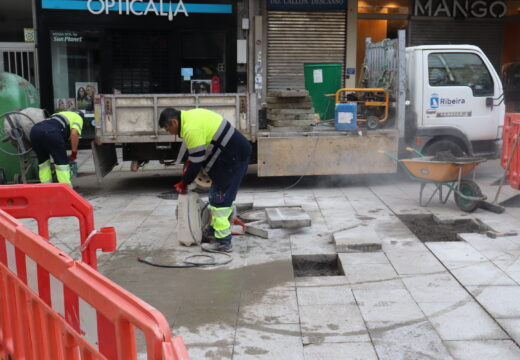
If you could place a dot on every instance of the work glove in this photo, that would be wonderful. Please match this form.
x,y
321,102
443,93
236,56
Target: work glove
x,y
73,156
181,187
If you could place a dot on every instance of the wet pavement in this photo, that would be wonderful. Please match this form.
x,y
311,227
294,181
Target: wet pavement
x,y
409,300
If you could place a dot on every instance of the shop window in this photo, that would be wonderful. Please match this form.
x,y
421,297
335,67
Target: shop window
x,y
204,55
460,69
400,7
75,69
141,62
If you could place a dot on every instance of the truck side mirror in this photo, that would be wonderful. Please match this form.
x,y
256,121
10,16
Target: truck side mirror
x,y
489,102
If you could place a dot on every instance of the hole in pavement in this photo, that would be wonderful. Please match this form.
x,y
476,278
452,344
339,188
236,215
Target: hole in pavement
x,y
316,265
427,229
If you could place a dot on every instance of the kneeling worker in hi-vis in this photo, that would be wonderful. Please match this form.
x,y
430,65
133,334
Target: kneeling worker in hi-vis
x,y
213,143
49,138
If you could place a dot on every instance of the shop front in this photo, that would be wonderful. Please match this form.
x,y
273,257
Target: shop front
x,y
133,47
300,32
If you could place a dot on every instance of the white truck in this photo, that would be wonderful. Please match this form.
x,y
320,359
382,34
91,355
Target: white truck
x,y
441,98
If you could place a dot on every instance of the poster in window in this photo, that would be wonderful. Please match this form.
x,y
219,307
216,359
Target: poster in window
x,y
201,86
85,93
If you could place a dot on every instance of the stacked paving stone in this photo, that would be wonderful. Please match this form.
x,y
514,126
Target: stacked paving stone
x,y
290,108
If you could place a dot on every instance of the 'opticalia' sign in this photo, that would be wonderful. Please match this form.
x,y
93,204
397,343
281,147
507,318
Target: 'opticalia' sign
x,y
306,4
460,8
135,7
167,8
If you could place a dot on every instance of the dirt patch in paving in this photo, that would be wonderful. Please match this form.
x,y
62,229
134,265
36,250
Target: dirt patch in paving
x,y
316,265
427,229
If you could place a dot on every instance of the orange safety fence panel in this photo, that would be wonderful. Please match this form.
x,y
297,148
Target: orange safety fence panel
x,y
44,201
510,133
53,307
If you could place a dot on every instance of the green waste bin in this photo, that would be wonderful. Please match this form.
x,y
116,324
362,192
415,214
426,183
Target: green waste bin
x,y
15,93
322,79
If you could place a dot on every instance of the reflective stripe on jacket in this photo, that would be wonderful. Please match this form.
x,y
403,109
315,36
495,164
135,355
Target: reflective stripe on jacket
x,y
69,120
204,132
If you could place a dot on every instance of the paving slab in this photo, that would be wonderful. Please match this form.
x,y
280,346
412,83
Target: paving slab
x,y
499,301
340,351
332,323
362,258
325,295
394,305
282,341
289,217
360,274
512,327
462,321
413,263
357,239
484,349
482,273
408,340
439,288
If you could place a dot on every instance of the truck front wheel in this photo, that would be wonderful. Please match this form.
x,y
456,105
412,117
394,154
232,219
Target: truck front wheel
x,y
444,145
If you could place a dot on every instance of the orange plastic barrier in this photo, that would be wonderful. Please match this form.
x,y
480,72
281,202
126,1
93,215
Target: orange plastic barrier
x,y
55,308
44,201
510,133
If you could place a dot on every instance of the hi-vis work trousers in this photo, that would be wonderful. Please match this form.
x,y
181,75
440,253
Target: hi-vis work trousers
x,y
47,140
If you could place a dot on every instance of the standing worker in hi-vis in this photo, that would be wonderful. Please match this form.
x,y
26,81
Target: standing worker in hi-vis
x,y
49,138
213,143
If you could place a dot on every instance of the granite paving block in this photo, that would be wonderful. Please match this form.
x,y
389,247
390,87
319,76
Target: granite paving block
x,y
207,353
259,228
340,351
388,305
369,273
331,323
268,342
484,350
287,217
483,273
441,288
411,340
324,295
268,307
310,244
512,327
499,301
348,259
452,253
314,281
413,263
357,239
462,321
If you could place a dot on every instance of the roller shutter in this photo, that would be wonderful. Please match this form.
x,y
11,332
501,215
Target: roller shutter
x,y
298,37
488,35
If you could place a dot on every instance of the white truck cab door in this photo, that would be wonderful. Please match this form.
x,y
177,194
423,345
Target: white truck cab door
x,y
456,86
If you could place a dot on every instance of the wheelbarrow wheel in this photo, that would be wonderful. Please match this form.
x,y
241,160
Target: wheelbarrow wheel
x,y
468,188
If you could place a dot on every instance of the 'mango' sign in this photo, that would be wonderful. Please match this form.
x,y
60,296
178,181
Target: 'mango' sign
x,y
460,8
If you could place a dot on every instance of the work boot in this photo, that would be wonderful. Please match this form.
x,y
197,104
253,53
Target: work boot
x,y
217,247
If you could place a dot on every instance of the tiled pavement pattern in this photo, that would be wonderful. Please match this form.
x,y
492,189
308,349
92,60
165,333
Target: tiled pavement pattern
x,y
412,300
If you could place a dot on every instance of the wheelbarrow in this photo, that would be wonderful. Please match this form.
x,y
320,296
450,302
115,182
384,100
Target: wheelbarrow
x,y
441,173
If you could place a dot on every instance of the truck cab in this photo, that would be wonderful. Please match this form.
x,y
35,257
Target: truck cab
x,y
455,99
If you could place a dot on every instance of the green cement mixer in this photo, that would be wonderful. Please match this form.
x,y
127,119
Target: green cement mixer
x,y
16,93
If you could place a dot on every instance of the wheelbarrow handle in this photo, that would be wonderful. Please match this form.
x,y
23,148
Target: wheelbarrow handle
x,y
415,151
388,155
